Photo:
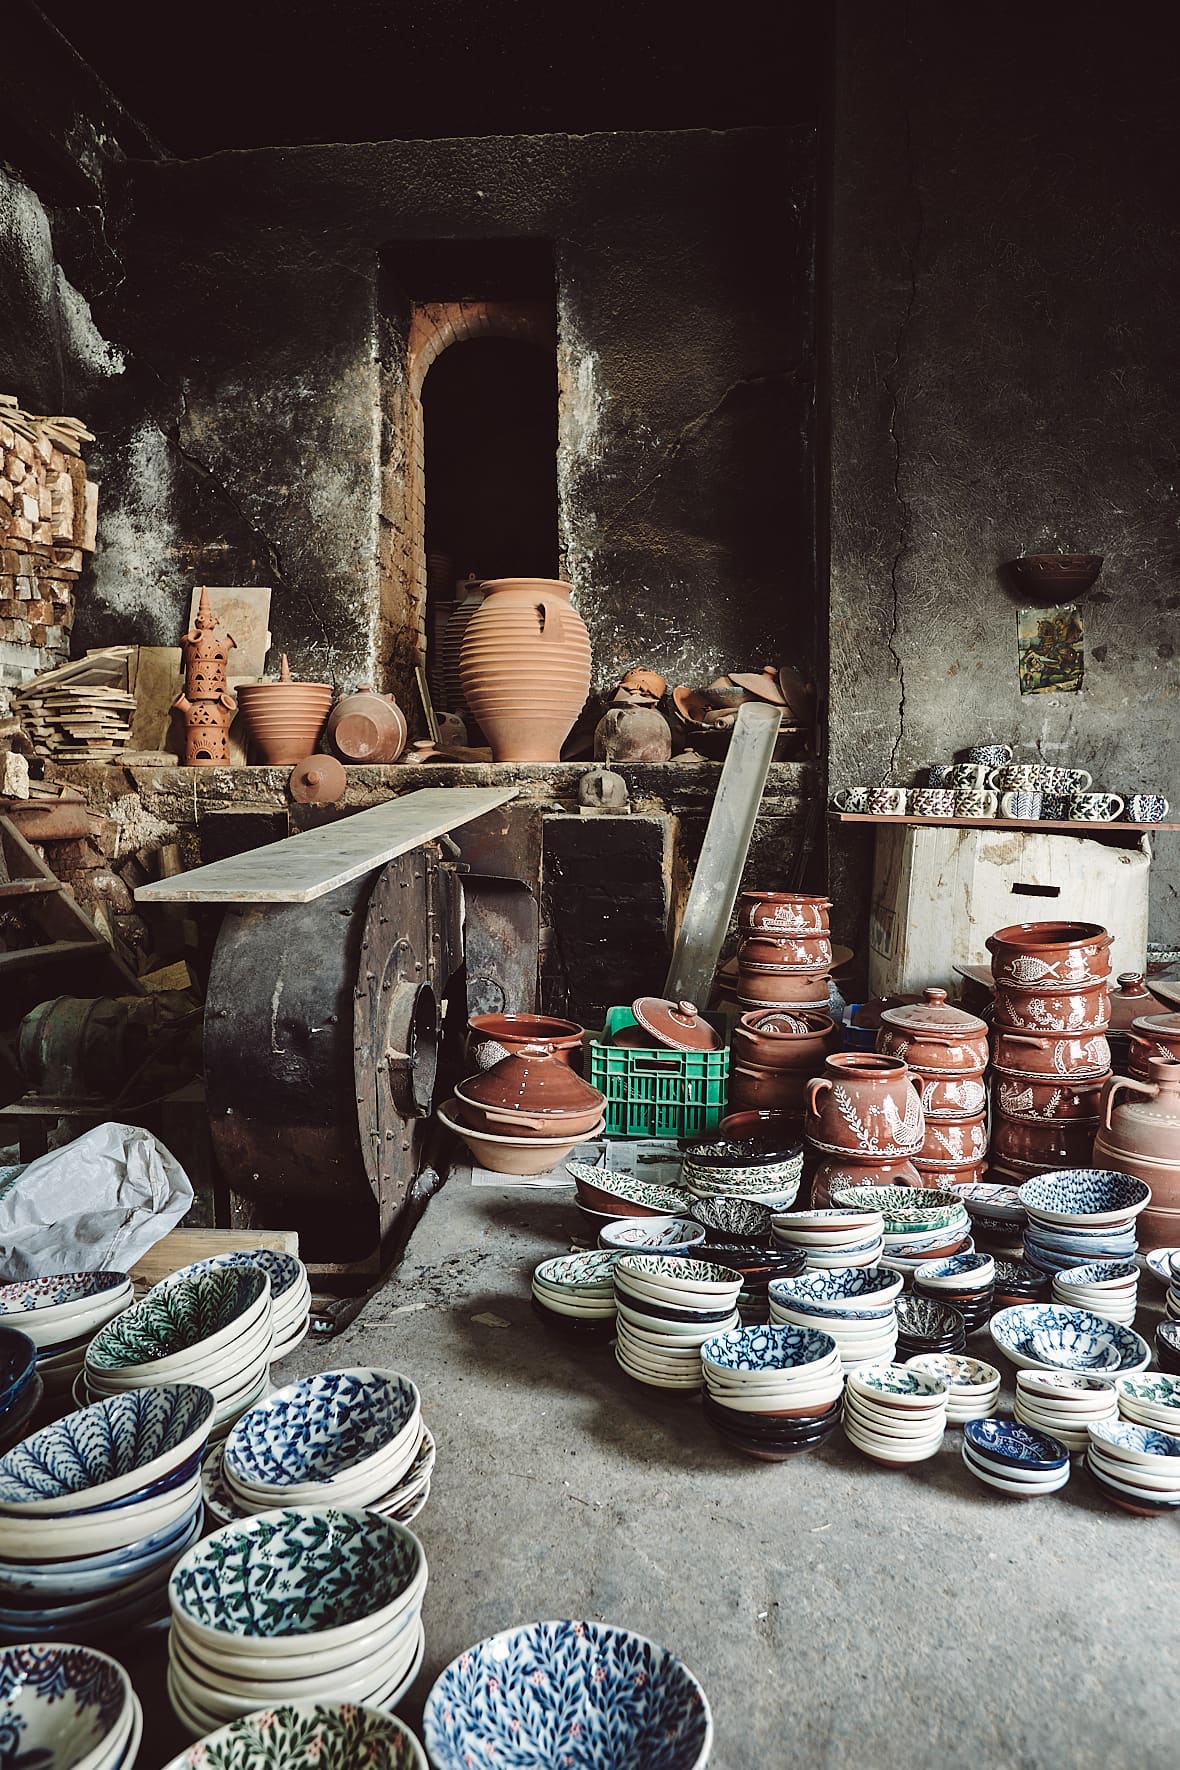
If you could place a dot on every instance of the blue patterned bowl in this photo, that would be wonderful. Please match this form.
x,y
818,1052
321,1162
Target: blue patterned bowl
x,y
576,1694
1002,1441
1048,1336
173,1321
1145,1445
125,1446
859,1293
18,1362
1099,1272
61,1708
1086,1196
767,1349
321,1429
308,1736
283,1270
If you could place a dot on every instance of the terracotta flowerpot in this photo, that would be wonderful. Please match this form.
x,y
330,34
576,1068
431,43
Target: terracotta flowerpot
x,y
753,1088
1153,1035
1051,1143
284,718
784,1041
1065,1059
367,727
1050,956
781,989
1140,1134
805,953
864,1105
783,912
525,667
954,1143
951,1098
1027,1010
493,1036
1017,1097
832,1175
935,1038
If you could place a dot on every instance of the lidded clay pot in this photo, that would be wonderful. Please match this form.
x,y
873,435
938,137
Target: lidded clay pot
x,y
1050,956
524,667
284,718
935,1038
367,727
680,1026
864,1107
531,1092
783,912
954,1143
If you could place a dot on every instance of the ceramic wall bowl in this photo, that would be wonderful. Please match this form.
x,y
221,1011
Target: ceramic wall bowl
x,y
307,1736
1152,1399
1053,1337
104,1452
903,1207
317,1433
63,1707
154,1335
624,1702
1124,1441
1087,1197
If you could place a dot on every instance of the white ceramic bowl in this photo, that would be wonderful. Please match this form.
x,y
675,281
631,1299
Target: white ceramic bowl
x,y
59,1538
64,1707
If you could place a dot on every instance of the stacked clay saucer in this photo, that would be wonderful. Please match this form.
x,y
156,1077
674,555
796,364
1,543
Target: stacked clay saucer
x,y
1152,1399
576,1292
973,1387
61,1315
893,1414
1048,1337
1016,1283
651,1235
65,1707
926,1326
1109,1288
290,1291
667,1308
966,1282
1015,1459
1136,1466
832,1237
772,1392
1080,1215
1063,1403
855,1305
21,1388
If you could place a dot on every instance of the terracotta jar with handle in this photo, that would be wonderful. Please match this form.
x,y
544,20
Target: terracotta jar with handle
x,y
1140,1134
524,667
1050,956
865,1107
367,727
783,912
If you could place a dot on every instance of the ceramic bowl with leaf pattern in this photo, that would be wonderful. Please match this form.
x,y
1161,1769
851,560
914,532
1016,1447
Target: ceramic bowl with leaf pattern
x,y
308,1736
175,1324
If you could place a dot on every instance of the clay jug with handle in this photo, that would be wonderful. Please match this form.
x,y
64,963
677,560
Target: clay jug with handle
x,y
865,1108
1141,1136
525,667
367,727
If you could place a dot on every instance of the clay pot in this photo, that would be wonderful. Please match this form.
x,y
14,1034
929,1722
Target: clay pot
x,y
1066,1059
493,1036
778,1130
284,718
754,1088
943,1174
782,989
1050,956
954,1143
952,1098
1027,1010
1153,1035
783,912
806,953
632,734
1019,1098
1049,1143
935,1038
864,1105
678,1026
452,641
531,1092
832,1175
1140,1134
525,667
367,727
774,1040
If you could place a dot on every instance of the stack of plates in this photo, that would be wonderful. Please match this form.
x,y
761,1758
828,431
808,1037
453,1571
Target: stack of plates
x,y
772,1391
919,1223
20,1386
1015,1459
96,1509
651,1235
756,1267
342,1438
833,1237
1150,1400
973,1387
855,1305
605,1195
289,1605
402,1503
926,1326
1135,1466
214,1330
67,1708
61,1315
1080,1215
1109,1288
965,1281
743,1168
995,1211
1172,1300
667,1309
576,1291
293,1735
1045,1336
1063,1403
895,1415
290,1291
1017,1283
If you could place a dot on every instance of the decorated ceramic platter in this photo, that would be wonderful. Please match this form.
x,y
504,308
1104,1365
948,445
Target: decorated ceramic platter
x,y
66,1288
987,1199
1051,1336
664,1200
1159,1264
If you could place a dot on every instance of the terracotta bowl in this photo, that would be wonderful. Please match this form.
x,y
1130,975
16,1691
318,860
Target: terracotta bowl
x,y
806,953
1052,1143
784,912
492,1036
784,1041
1050,956
1019,1098
1035,1011
1075,1059
512,1155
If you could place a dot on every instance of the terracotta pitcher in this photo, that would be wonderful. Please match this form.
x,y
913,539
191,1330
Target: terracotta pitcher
x,y
1141,1136
525,667
865,1107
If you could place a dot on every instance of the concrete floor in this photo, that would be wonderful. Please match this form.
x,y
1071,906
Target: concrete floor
x,y
839,1614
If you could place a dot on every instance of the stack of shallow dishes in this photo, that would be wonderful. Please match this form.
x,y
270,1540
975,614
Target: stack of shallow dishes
x,y
772,1391
67,1708
1108,1287
608,1196
973,1387
1018,1283
757,1268
403,1503
20,1386
530,1096
289,1605
214,1330
651,1235
294,1735
667,1309
832,1237
855,1305
1080,1215
1167,1347
290,1291
1172,1300
997,1216
577,1292
1136,1466
926,1326
61,1315
966,1282
1150,1400
1045,1336
342,1438
764,1171
1015,1459
920,1223
96,1509
1063,1403
895,1415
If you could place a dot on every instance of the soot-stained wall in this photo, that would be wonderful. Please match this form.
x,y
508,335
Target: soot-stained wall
x,y
1005,379
246,438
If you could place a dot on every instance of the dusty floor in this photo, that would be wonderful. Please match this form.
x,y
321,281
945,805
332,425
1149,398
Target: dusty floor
x,y
839,1614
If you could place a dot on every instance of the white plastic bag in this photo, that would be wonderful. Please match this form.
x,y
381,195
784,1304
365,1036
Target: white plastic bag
x,y
98,1204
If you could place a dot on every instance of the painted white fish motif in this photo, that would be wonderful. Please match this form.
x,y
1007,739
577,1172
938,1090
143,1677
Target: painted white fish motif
x,y
1029,970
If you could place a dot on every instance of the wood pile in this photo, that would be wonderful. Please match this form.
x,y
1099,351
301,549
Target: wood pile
x,y
80,712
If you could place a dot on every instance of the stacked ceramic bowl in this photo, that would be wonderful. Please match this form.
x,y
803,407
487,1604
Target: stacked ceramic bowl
x,y
772,1391
607,1196
290,1291
1078,1216
667,1308
855,1305
1150,1400
919,1224
67,1708
291,1605
214,1329
61,1315
1136,1466
96,1509
1167,1347
1108,1287
1015,1459
20,1387
738,1236
966,1282
998,1219
924,1325
295,1735
895,1415
1172,1299
973,1387
1046,1336
576,1292
832,1237
1017,1282
651,1235
1063,1403
746,1168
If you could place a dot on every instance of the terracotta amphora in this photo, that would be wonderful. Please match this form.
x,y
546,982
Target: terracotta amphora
x,y
1141,1136
865,1106
525,667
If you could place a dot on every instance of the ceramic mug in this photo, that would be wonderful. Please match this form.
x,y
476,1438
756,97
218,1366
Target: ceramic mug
x,y
978,804
993,755
1097,808
1146,808
932,802
888,801
1021,777
851,799
941,774
1024,803
1076,780
970,777
1055,806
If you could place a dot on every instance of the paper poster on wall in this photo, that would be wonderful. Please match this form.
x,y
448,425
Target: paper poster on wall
x,y
1052,650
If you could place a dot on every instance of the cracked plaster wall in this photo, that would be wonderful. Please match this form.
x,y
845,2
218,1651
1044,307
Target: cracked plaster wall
x,y
1005,379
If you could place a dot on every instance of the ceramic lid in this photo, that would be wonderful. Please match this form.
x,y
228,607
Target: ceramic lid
x,y
1153,1024
532,1080
676,1024
934,1017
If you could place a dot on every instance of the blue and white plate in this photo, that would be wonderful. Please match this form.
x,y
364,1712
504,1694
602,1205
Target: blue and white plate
x,y
580,1694
1067,1339
1159,1264
29,1295
1007,1442
321,1428
283,1270
120,1447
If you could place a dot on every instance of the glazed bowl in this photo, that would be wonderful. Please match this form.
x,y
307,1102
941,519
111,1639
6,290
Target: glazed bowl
x,y
652,1235
1144,1447
727,1217
747,1354
63,1707
321,1434
513,1155
493,1036
897,1388
18,1365
1048,1336
1087,1198
175,1325
621,1195
286,1272
1049,956
71,1306
624,1702
105,1452
865,1293
296,1735
1007,1442
62,1536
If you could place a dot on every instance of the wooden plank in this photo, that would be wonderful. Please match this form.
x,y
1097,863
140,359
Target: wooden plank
x,y
28,887
181,1247
301,868
29,958
1088,826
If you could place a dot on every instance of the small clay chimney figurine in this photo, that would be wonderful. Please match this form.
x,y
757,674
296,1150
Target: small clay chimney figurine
x,y
206,703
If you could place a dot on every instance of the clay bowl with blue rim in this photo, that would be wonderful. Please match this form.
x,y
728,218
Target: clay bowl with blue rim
x,y
578,1692
299,1735
176,1328
126,1446
18,1363
857,1293
1007,1442
63,1707
962,1272
326,1439
1067,1339
1086,1197
728,1218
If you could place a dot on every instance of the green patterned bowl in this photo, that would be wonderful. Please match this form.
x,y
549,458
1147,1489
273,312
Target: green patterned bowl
x,y
307,1736
174,1326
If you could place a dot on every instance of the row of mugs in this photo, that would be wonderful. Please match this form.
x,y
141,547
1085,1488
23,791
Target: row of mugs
x,y
1011,777
1024,804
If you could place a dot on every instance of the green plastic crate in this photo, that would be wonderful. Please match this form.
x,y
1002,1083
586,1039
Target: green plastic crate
x,y
659,1093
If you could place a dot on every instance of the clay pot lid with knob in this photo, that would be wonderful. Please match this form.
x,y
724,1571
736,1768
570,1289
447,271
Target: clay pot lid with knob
x,y
317,780
533,1080
933,1014
676,1024
1131,998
